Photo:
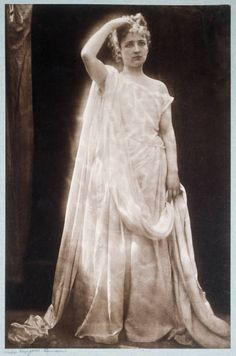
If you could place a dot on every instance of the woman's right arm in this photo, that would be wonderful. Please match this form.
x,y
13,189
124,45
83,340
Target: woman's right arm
x,y
95,68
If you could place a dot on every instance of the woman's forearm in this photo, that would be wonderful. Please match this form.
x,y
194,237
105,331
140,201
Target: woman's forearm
x,y
94,44
168,136
171,152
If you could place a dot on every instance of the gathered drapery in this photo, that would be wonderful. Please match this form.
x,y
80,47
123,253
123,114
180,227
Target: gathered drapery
x,y
107,205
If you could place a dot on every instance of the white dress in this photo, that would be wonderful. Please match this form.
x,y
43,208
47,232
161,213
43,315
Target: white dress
x,y
126,259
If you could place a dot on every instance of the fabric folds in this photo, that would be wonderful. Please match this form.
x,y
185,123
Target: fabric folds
x,y
126,259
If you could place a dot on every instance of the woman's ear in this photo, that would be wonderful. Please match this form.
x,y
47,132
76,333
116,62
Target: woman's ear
x,y
118,55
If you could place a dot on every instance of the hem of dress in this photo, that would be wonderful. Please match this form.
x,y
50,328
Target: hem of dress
x,y
108,340
135,338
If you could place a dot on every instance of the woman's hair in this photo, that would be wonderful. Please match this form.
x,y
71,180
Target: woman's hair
x,y
137,23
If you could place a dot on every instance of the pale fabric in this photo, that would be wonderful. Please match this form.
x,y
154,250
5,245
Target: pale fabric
x,y
126,259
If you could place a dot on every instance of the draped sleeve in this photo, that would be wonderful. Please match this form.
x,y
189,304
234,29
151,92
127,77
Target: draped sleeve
x,y
111,70
167,100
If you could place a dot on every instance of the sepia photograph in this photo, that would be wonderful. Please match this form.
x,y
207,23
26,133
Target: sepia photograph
x,y
117,176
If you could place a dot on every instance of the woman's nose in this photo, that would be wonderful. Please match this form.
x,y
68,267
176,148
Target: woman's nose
x,y
136,47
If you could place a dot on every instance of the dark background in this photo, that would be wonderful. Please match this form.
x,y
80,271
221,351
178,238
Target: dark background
x,y
190,52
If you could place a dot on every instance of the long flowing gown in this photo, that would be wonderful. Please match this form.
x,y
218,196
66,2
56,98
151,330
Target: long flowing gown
x,y
126,259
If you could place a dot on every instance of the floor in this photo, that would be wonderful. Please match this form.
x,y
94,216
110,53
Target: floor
x,y
61,337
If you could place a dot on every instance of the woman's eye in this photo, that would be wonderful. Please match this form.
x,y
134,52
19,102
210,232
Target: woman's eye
x,y
142,43
128,45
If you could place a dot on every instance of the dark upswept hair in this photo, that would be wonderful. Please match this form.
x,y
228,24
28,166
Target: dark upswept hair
x,y
136,23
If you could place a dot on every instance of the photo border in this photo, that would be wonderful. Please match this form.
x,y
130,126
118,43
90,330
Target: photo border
x,y
110,351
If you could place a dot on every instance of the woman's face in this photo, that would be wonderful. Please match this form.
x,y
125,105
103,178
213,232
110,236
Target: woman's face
x,y
134,49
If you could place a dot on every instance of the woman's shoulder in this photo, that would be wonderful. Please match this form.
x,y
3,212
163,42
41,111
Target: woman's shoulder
x,y
111,69
161,88
157,85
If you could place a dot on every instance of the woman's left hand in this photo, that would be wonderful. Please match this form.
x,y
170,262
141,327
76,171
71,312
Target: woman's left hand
x,y
173,185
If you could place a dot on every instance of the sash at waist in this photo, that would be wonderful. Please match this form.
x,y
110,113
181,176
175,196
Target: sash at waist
x,y
154,141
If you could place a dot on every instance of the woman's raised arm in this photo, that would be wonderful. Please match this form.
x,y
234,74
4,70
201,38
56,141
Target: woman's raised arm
x,y
95,68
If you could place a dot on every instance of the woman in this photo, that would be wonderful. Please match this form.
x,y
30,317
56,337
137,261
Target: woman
x,y
126,259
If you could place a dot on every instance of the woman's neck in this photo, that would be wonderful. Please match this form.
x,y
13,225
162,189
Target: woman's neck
x,y
133,71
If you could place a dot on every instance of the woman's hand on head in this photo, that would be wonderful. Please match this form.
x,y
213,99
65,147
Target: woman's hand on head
x,y
119,21
172,185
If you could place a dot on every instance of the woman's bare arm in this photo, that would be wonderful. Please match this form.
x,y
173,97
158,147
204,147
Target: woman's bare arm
x,y
168,136
95,68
